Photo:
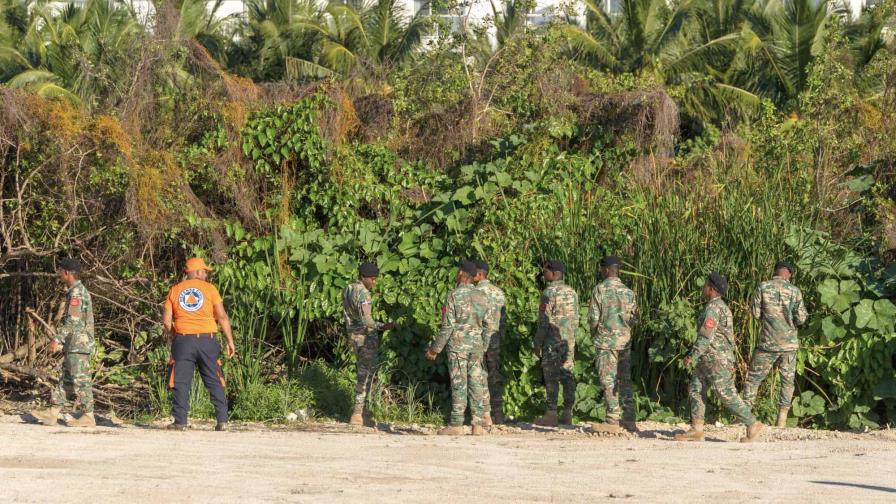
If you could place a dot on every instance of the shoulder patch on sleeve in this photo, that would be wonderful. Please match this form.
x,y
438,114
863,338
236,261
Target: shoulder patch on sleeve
x,y
710,323
75,301
542,307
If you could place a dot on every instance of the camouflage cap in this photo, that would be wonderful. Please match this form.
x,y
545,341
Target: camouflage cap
x,y
718,282
369,270
69,264
468,267
782,265
555,265
610,260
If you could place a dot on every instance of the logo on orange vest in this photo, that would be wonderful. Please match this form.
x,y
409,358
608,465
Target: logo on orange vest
x,y
191,299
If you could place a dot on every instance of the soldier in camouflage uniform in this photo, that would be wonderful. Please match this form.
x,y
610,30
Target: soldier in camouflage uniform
x,y
363,332
76,337
466,323
611,315
713,359
779,305
555,342
495,406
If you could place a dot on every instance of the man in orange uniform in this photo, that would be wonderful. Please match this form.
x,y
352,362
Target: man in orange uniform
x,y
193,312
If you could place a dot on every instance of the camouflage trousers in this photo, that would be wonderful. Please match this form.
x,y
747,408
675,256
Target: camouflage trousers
x,y
492,365
366,356
614,369
467,385
75,388
557,364
760,367
718,376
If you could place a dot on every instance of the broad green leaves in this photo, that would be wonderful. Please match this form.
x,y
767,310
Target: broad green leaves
x,y
846,298
285,134
839,295
854,335
463,195
878,315
832,330
808,404
860,184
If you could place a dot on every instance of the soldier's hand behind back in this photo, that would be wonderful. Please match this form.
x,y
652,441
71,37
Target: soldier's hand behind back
x,y
55,346
431,355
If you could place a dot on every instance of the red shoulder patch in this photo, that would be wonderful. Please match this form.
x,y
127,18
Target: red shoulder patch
x,y
542,307
75,302
444,309
710,323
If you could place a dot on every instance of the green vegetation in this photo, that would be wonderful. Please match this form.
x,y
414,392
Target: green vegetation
x,y
288,147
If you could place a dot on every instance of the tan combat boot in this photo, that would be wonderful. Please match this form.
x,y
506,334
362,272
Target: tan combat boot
x,y
357,418
487,420
452,430
48,416
695,433
498,418
610,427
85,420
566,419
549,419
753,432
478,430
782,417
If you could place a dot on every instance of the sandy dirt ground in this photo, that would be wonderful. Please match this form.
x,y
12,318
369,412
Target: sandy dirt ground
x,y
334,463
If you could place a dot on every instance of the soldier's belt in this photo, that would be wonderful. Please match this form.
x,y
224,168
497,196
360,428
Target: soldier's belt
x,y
197,335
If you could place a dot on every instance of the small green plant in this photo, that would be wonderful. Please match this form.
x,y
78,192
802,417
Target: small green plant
x,y
271,402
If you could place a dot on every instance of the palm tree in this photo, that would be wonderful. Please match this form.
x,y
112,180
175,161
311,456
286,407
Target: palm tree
x,y
510,19
684,44
780,40
866,33
14,22
199,20
364,38
80,53
278,41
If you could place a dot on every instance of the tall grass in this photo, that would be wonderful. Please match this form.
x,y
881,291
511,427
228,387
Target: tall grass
x,y
724,216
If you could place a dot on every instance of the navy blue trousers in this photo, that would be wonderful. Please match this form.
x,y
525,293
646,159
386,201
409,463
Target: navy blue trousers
x,y
186,353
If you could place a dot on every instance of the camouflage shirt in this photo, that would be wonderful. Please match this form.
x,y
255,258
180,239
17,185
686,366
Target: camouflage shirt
x,y
357,306
76,332
715,333
558,315
498,308
779,304
466,320
611,314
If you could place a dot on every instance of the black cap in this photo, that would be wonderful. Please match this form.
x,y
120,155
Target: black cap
x,y
784,264
610,261
369,270
69,264
718,282
555,265
482,266
468,267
